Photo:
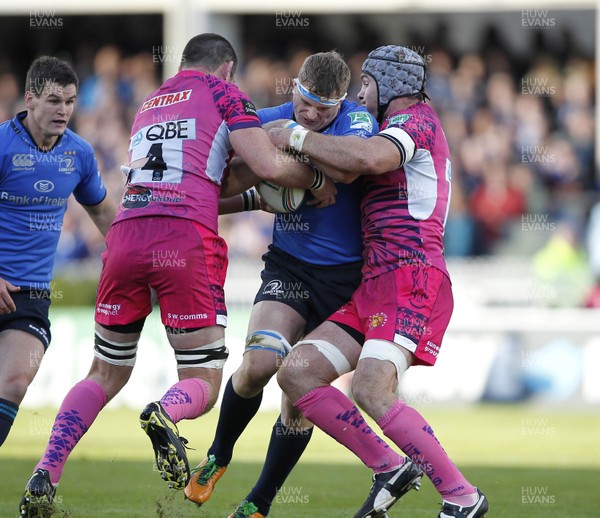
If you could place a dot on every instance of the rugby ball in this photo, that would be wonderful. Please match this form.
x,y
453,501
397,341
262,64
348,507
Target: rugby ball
x,y
280,199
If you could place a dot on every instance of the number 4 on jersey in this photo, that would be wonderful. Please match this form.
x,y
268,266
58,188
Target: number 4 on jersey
x,y
155,162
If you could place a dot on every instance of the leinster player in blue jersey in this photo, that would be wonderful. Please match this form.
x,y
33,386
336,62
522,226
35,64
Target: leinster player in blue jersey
x,y
311,269
41,164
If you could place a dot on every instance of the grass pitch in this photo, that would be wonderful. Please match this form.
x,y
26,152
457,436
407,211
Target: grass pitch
x,y
530,462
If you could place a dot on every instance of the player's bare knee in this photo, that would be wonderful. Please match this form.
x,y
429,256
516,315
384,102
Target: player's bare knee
x,y
375,383
256,370
294,378
112,378
363,396
249,384
15,388
290,379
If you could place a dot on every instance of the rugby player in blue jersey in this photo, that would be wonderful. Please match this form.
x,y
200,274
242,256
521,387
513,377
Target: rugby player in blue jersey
x,y
311,269
41,164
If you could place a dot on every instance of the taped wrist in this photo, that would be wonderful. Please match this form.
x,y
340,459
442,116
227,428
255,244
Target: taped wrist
x,y
250,199
297,138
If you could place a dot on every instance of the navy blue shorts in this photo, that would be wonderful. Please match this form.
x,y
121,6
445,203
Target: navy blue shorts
x,y
31,315
314,291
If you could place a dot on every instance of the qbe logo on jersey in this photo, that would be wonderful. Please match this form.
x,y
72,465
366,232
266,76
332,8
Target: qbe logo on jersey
x,y
184,129
161,144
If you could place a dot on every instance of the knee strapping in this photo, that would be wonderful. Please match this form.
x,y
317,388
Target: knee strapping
x,y
268,340
332,353
386,351
209,356
115,353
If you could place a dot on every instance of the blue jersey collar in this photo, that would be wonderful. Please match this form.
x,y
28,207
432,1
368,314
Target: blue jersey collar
x,y
20,129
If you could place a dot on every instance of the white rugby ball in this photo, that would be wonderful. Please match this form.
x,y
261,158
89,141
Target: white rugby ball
x,y
280,199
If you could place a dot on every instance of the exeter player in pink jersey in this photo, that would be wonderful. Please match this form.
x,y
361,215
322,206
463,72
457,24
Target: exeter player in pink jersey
x,y
399,314
164,240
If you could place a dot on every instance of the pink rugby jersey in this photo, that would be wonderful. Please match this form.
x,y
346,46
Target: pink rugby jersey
x,y
182,131
404,211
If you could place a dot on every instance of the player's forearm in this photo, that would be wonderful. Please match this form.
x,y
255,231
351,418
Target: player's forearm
x,y
294,172
334,173
269,163
102,214
239,179
245,201
288,170
231,205
347,155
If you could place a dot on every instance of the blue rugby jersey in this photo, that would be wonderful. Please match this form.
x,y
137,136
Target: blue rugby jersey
x,y
331,235
34,188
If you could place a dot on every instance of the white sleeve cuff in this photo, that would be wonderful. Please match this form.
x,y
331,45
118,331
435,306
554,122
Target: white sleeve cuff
x,y
403,142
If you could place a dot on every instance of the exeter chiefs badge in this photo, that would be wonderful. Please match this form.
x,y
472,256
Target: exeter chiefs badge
x,y
377,320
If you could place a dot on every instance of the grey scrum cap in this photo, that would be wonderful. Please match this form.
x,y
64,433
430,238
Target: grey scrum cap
x,y
398,72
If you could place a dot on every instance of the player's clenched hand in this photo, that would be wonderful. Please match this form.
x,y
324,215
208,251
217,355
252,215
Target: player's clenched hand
x,y
279,123
7,304
325,195
280,137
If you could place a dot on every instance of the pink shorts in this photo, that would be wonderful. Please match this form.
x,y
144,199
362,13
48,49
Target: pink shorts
x,y
183,261
410,306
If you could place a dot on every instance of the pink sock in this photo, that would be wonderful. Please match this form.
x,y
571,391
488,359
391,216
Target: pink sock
x,y
413,435
186,399
335,414
78,411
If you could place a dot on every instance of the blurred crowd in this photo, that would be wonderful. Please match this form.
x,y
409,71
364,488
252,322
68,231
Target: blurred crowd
x,y
521,135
